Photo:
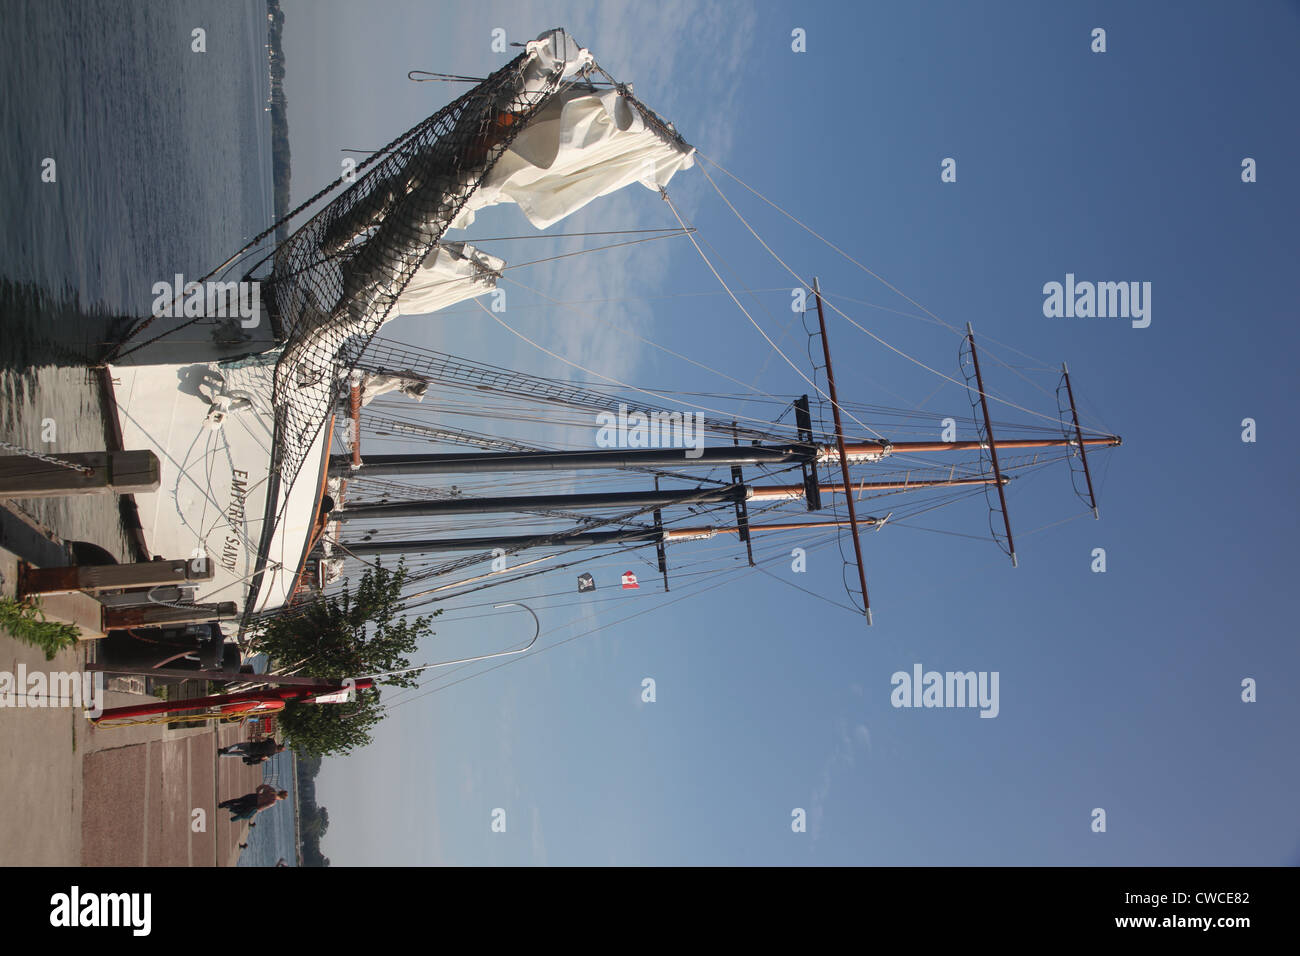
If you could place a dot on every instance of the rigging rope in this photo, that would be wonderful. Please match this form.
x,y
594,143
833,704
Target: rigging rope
x,y
636,336
741,572
541,348
875,275
768,338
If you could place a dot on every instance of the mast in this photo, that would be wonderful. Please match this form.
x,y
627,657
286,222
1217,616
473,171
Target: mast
x,y
993,448
620,458
608,499
1078,434
907,447
429,507
776,492
844,458
633,536
487,463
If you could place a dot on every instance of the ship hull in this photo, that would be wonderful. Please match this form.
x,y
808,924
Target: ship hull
x,y
212,426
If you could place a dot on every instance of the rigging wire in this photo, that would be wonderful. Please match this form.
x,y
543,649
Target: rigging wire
x,y
568,640
743,310
875,275
636,336
541,348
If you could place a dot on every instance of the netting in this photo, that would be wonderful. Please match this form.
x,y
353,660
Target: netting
x,y
453,370
337,278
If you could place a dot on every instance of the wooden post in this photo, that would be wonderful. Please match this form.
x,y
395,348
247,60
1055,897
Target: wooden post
x,y
109,577
160,615
117,472
80,610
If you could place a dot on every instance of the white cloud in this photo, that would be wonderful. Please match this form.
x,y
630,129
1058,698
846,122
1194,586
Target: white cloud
x,y
841,758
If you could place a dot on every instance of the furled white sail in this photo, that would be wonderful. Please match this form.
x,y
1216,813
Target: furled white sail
x,y
451,273
582,146
409,384
553,52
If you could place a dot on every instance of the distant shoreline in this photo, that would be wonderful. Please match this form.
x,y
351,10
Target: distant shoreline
x,y
297,810
279,117
314,818
280,169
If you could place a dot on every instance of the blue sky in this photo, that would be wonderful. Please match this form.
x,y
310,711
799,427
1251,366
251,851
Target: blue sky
x,y
1118,690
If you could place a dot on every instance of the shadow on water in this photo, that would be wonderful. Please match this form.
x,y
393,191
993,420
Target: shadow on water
x,y
51,399
45,333
42,327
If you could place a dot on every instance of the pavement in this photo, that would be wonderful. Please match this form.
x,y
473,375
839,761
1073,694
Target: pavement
x,y
75,793
155,803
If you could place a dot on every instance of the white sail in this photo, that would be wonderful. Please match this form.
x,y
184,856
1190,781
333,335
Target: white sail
x,y
451,273
582,146
374,384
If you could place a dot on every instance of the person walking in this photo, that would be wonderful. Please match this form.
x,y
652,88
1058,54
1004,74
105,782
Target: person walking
x,y
251,804
253,751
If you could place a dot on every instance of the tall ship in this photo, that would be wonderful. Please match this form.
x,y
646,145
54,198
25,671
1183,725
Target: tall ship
x,y
298,434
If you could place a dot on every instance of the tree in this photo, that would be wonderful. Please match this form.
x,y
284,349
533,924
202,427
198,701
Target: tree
x,y
345,635
331,729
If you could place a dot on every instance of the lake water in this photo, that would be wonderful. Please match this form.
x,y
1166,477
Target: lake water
x,y
274,836
161,165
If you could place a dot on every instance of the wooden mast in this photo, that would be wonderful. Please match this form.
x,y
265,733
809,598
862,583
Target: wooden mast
x,y
668,457
993,448
1078,434
844,458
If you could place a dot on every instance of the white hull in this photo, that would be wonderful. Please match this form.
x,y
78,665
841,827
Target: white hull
x,y
213,496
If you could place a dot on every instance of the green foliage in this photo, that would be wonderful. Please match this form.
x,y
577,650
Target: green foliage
x,y
352,634
331,729
25,621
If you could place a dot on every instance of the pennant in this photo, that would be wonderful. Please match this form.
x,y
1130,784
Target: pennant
x,y
629,581
586,583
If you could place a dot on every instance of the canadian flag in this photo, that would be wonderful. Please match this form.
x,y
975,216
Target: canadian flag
x,y
629,581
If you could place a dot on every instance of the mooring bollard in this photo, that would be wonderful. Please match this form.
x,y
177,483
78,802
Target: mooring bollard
x,y
110,577
79,473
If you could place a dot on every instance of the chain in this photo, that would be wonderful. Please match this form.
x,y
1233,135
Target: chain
x,y
177,606
88,472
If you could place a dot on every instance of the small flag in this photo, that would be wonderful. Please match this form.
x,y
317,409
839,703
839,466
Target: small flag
x,y
338,697
629,581
586,583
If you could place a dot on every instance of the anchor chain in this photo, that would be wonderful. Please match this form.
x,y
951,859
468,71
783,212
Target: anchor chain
x,y
18,450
